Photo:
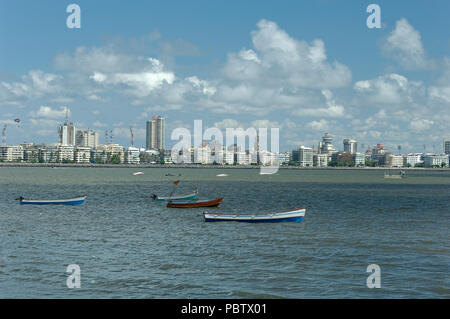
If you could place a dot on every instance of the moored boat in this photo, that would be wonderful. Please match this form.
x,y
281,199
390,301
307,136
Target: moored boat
x,y
191,196
72,201
197,203
294,215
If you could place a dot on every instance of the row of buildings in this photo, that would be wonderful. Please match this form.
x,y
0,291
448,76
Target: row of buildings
x,y
327,155
82,146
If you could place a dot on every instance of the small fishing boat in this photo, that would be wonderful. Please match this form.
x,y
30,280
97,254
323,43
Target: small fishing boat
x,y
191,196
222,175
71,201
197,203
294,215
138,173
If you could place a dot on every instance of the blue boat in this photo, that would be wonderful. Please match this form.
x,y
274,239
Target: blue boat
x,y
294,215
72,201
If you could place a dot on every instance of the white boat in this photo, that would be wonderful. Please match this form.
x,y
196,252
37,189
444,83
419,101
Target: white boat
x,y
138,173
221,175
71,201
294,215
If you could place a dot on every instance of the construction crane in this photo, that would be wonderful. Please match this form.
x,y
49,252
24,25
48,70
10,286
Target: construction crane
x,y
132,136
4,135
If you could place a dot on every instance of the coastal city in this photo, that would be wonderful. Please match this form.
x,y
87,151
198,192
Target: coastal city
x,y
83,147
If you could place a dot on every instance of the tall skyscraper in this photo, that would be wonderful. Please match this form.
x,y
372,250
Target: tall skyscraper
x,y
155,133
447,145
67,134
87,138
326,146
350,146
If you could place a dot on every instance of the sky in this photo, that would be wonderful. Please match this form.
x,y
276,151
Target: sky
x,y
305,67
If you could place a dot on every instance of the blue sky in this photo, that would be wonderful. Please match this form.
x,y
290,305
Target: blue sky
x,y
229,63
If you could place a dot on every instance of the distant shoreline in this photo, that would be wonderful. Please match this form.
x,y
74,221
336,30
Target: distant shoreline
x,y
169,166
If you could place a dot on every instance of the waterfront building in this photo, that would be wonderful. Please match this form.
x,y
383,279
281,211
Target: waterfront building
x,y
67,134
350,146
392,160
86,138
264,157
411,160
202,154
13,153
436,160
320,160
216,154
447,146
49,153
303,156
378,153
65,153
342,159
82,155
229,157
284,157
182,156
155,133
108,153
326,145
359,159
133,155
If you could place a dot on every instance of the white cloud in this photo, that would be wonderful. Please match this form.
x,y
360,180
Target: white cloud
x,y
321,125
389,89
36,84
49,113
404,44
281,60
420,124
332,110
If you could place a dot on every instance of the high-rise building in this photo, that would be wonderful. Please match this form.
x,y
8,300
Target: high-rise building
x,y
67,134
326,146
447,145
155,133
86,138
303,156
350,146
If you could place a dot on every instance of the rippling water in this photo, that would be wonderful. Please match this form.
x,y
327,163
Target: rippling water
x,y
130,247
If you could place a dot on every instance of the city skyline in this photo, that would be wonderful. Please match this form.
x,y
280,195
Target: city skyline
x,y
271,68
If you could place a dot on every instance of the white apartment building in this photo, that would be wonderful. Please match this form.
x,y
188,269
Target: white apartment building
x,y
359,159
412,159
320,160
86,138
133,155
284,157
304,156
82,155
435,160
65,153
12,153
394,160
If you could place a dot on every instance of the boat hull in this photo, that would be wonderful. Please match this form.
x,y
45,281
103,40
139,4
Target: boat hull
x,y
186,197
73,201
194,204
295,216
